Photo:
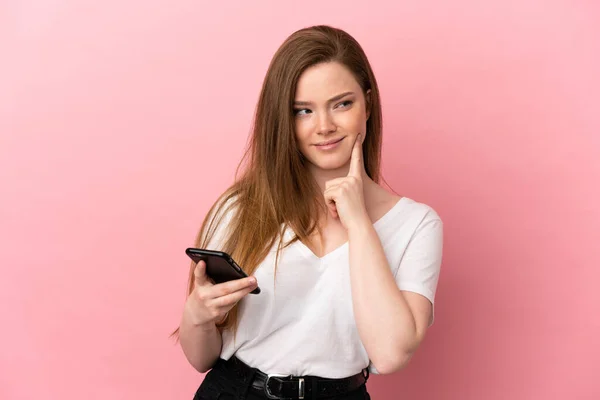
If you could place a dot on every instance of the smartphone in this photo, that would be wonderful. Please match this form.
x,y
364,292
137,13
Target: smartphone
x,y
220,267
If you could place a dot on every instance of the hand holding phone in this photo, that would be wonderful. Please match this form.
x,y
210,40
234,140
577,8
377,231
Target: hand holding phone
x,y
209,302
211,299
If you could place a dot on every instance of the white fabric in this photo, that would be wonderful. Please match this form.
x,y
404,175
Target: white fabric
x,y
303,323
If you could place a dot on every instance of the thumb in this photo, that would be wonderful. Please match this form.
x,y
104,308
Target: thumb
x,y
200,277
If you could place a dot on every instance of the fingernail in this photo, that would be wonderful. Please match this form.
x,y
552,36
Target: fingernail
x,y
252,280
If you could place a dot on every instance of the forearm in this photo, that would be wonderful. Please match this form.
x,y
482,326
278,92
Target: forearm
x,y
384,320
201,343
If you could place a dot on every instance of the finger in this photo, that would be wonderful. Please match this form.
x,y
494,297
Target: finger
x,y
226,288
356,161
332,209
330,197
200,277
230,299
334,213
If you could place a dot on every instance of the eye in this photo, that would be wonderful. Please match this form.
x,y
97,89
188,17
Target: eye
x,y
345,104
299,111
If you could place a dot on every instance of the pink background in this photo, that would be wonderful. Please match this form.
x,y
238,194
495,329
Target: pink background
x,y
121,122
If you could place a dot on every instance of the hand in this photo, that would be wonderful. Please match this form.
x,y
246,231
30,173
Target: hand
x,y
344,196
209,303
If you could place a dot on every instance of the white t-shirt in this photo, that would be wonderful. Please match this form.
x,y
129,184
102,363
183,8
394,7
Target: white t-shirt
x,y
303,323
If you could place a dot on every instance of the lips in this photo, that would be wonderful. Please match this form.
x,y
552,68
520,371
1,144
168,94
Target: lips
x,y
329,142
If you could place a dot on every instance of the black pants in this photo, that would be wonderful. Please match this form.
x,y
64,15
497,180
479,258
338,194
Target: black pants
x,y
223,383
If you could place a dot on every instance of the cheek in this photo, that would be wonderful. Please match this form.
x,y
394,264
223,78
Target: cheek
x,y
354,119
302,132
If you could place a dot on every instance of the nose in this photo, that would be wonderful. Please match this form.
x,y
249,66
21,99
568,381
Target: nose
x,y
326,124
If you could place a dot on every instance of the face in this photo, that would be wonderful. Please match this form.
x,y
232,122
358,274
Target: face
x,y
329,107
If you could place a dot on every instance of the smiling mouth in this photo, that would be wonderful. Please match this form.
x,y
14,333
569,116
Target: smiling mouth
x,y
328,143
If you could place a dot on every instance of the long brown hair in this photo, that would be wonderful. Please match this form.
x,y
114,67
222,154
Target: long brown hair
x,y
276,189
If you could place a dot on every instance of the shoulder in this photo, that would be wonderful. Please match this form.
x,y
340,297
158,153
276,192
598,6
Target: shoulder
x,y
403,208
216,227
411,218
223,207
420,210
426,229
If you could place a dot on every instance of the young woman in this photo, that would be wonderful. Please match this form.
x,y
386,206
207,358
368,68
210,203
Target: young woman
x,y
347,270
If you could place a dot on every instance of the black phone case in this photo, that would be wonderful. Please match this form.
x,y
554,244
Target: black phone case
x,y
220,267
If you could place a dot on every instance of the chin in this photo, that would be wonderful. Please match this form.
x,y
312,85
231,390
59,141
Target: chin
x,y
331,164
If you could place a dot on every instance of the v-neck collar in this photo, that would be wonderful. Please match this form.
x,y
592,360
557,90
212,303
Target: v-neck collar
x,y
377,225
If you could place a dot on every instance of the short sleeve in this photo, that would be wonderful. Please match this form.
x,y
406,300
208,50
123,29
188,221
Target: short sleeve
x,y
420,265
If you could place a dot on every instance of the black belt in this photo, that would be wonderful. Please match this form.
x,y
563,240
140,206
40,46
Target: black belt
x,y
298,387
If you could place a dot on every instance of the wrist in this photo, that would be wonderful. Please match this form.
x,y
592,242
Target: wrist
x,y
359,226
190,315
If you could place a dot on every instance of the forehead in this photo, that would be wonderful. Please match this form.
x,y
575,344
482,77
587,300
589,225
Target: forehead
x,y
323,81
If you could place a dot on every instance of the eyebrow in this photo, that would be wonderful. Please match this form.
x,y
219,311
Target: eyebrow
x,y
333,99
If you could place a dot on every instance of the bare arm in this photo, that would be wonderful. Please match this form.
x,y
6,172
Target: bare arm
x,y
392,323
201,343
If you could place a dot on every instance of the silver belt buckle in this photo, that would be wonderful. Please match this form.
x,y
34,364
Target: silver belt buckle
x,y
271,396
